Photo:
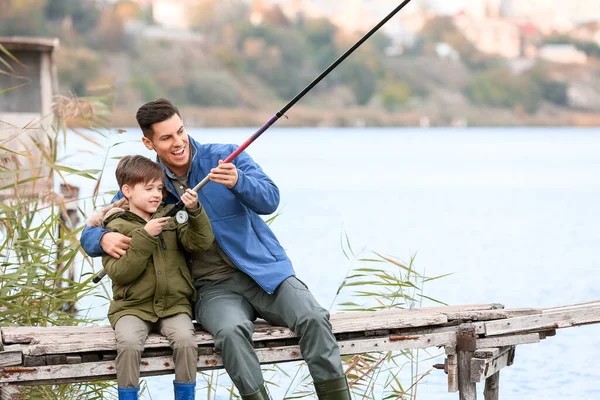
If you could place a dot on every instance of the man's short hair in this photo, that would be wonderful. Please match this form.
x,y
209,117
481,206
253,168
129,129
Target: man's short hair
x,y
132,170
153,112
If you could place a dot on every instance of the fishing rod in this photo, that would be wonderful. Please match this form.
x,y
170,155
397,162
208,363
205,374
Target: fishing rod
x,y
179,205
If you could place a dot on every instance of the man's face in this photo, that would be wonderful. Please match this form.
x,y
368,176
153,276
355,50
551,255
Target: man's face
x,y
171,143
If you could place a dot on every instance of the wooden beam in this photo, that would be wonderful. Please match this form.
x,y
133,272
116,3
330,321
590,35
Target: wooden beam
x,y
12,355
151,366
452,373
492,387
59,340
588,314
488,315
509,340
483,368
465,345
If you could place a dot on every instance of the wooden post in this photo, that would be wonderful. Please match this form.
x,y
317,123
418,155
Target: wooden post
x,y
9,393
492,387
465,346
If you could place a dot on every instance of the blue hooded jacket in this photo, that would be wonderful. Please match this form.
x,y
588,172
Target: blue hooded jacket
x,y
234,215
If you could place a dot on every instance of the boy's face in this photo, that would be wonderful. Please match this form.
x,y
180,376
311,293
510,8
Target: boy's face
x,y
171,144
144,198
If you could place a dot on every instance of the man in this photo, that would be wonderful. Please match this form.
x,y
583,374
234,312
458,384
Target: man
x,y
246,273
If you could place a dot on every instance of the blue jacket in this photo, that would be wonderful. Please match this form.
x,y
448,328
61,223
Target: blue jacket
x,y
233,213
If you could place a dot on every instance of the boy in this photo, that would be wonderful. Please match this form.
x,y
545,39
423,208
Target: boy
x,y
152,285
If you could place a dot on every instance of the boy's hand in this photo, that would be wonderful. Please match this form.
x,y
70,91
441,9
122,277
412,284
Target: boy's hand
x,y
190,199
155,226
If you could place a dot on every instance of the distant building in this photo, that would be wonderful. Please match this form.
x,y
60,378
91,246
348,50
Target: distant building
x,y
171,13
26,112
446,52
562,54
587,32
495,36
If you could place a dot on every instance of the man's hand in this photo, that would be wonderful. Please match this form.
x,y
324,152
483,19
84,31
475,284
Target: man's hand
x,y
114,244
225,174
155,226
190,200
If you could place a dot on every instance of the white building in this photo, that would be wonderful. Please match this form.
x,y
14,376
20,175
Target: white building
x,y
562,54
26,114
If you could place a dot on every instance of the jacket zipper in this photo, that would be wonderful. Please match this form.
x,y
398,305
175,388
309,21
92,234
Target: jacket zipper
x,y
261,242
162,241
221,247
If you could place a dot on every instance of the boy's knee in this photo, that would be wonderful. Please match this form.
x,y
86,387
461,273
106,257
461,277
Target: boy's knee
x,y
130,344
184,338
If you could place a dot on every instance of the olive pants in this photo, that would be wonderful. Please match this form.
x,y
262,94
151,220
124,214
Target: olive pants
x,y
227,308
131,333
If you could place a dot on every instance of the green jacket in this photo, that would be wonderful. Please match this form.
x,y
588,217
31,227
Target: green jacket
x,y
152,280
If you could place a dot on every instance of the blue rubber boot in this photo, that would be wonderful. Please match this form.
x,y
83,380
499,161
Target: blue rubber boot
x,y
128,393
184,391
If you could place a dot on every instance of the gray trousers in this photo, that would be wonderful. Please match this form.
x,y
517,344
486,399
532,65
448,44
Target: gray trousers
x,y
131,333
227,308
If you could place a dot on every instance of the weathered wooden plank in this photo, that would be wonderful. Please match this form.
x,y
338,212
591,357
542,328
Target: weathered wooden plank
x,y
510,340
387,320
546,321
164,365
572,306
11,355
490,352
492,387
29,334
9,393
79,339
452,373
426,340
489,315
33,361
425,310
482,368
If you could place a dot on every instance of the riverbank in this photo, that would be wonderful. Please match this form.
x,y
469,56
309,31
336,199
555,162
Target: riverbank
x,y
440,115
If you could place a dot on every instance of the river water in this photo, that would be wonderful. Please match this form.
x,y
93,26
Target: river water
x,y
513,214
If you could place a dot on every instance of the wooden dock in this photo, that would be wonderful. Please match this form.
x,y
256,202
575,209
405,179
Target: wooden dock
x,y
479,340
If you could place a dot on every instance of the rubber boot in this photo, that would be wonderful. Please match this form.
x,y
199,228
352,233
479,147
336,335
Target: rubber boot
x,y
184,391
128,393
260,394
333,389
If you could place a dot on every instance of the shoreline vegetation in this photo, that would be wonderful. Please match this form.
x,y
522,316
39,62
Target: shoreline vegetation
x,y
228,69
358,117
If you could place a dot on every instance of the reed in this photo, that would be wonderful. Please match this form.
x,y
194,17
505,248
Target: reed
x,y
43,277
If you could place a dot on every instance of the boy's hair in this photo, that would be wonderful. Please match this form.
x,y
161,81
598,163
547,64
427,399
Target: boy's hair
x,y
132,170
153,112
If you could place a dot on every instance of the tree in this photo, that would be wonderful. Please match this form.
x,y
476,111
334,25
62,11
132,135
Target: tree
x,y
395,94
83,13
210,88
500,88
25,17
361,79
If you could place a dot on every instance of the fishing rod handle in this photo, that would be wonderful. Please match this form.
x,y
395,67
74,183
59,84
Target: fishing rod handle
x,y
179,205
98,277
